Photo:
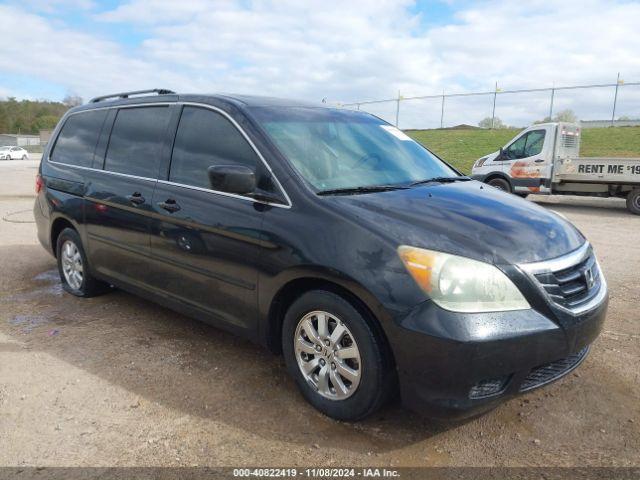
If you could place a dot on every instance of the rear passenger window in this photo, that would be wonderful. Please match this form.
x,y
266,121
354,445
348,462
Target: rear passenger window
x,y
207,138
136,141
78,138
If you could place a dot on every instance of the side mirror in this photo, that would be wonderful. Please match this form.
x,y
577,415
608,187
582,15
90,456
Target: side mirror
x,y
501,155
236,179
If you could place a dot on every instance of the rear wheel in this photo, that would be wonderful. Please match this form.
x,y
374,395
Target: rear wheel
x,y
24,157
73,267
633,201
500,184
335,356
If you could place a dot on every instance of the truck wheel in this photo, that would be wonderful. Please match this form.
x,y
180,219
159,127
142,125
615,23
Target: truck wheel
x,y
500,184
633,201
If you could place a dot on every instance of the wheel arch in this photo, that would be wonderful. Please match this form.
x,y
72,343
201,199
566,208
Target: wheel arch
x,y
57,226
501,175
295,286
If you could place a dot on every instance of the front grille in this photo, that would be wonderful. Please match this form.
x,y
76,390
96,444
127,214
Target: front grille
x,y
551,371
572,286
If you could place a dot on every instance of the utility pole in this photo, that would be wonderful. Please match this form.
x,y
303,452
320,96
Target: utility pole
x,y
493,112
553,91
398,108
442,111
615,100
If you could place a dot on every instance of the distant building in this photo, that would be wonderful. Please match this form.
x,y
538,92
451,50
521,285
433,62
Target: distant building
x,y
18,140
45,136
607,123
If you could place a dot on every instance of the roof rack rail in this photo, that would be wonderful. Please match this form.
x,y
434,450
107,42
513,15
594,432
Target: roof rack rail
x,y
159,91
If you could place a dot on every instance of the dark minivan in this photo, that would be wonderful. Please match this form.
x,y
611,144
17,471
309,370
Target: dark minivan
x,y
325,234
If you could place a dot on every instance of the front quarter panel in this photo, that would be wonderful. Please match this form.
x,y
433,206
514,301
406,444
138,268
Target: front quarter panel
x,y
312,241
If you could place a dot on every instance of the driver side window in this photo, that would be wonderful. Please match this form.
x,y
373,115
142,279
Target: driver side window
x,y
535,142
528,145
516,149
205,138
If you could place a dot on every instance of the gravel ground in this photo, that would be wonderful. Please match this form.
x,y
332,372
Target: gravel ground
x,y
119,381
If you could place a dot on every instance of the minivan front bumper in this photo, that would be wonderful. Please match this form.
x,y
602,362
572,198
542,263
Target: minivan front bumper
x,y
456,365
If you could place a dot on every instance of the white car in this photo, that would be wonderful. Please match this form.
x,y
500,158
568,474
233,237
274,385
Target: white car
x,y
13,153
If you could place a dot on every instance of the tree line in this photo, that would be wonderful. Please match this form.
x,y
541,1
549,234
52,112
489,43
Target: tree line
x,y
31,116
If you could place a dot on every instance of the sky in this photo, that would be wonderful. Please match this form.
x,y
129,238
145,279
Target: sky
x,y
342,51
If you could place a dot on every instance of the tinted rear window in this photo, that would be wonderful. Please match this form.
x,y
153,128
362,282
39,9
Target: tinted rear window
x,y
78,138
136,141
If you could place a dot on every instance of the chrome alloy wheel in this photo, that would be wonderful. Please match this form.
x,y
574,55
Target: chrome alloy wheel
x,y
327,355
72,267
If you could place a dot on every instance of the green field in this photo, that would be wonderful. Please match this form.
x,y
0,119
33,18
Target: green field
x,y
462,147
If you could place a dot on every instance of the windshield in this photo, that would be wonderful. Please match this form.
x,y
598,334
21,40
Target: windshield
x,y
342,149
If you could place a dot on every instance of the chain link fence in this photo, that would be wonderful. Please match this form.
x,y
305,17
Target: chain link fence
x,y
603,104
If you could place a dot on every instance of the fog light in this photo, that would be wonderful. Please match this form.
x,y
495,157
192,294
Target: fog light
x,y
486,388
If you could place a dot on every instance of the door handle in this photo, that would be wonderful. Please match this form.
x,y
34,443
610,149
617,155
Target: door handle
x,y
539,160
169,205
136,198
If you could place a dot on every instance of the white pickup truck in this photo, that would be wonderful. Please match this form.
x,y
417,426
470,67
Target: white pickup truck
x,y
544,158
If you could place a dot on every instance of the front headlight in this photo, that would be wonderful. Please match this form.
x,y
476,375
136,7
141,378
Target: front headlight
x,y
461,284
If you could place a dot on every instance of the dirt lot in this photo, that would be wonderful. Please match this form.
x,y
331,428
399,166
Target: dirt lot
x,y
116,380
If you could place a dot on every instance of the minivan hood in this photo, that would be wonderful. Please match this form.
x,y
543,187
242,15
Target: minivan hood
x,y
469,218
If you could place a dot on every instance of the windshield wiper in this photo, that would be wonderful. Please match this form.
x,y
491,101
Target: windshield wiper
x,y
357,190
441,180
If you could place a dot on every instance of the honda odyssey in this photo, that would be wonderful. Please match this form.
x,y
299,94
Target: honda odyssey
x,y
326,235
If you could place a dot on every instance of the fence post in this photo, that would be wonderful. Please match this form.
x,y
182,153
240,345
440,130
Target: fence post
x,y
493,111
615,100
357,106
442,111
398,109
553,91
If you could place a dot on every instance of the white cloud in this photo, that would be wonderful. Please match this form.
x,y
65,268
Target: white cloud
x,y
158,12
344,51
51,6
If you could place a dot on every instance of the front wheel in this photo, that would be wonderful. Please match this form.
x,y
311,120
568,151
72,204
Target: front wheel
x,y
500,184
633,201
24,157
336,358
73,266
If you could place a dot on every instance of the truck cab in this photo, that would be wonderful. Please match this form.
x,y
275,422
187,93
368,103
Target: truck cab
x,y
544,158
525,164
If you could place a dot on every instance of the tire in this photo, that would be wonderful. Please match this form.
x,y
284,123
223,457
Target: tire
x,y
633,201
72,261
24,157
353,400
500,184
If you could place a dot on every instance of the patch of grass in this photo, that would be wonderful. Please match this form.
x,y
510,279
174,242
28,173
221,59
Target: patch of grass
x,y
610,142
463,147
